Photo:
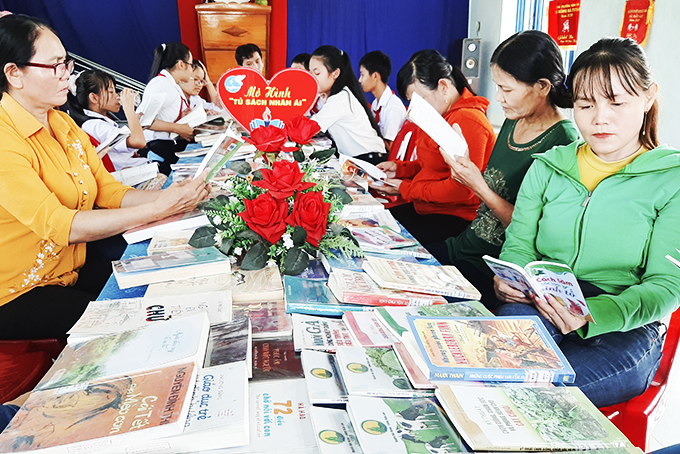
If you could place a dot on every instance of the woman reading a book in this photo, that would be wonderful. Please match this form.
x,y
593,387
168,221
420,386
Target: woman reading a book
x,y
609,207
529,74
50,182
439,205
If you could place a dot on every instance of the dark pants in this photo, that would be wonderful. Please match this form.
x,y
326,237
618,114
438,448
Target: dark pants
x,y
50,311
373,158
166,149
428,228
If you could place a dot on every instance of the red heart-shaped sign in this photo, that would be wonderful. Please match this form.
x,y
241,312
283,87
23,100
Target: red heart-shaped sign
x,y
253,101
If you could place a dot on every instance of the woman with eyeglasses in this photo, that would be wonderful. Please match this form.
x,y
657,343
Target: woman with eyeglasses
x,y
193,87
172,64
55,247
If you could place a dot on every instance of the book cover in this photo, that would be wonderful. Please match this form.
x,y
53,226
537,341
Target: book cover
x,y
379,218
416,277
181,221
159,344
148,269
334,431
104,416
541,278
387,425
313,297
170,241
517,418
375,372
256,285
380,238
361,203
204,284
339,260
280,422
366,330
230,342
319,333
324,381
315,270
506,349
113,316
359,288
268,318
416,251
275,359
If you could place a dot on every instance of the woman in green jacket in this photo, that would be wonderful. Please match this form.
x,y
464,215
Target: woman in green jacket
x,y
608,207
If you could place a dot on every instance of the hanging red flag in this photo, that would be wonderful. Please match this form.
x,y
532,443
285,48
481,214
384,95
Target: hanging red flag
x,y
563,22
637,20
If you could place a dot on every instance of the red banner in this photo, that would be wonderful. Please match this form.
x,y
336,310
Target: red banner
x,y
637,20
563,22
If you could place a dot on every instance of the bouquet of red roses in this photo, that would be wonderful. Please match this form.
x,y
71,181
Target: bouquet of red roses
x,y
281,214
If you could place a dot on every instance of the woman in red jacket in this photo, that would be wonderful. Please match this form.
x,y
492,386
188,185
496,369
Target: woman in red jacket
x,y
440,206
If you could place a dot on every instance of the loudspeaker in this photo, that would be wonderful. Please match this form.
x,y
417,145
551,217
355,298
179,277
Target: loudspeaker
x,y
471,53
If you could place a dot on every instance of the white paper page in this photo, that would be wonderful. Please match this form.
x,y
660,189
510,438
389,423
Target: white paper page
x,y
151,108
434,125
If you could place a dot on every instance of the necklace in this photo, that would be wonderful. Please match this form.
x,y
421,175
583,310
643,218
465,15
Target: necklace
x,y
545,135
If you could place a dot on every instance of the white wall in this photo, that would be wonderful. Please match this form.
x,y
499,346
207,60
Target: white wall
x,y
598,19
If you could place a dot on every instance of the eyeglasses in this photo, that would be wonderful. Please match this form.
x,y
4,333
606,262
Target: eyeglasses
x,y
198,81
60,69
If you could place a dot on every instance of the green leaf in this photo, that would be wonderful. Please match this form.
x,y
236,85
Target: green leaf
x,y
299,236
222,199
257,175
203,237
223,226
226,245
323,155
295,262
249,235
240,167
339,192
256,257
299,155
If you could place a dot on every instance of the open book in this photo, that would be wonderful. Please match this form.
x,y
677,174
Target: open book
x,y
540,278
220,153
123,134
428,119
194,118
151,105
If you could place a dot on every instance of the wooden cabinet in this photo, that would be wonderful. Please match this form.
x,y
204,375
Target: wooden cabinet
x,y
225,26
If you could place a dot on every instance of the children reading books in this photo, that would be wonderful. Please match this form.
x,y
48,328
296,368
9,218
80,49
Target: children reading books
x,y
172,63
441,206
50,181
193,86
250,56
375,68
345,114
608,206
92,98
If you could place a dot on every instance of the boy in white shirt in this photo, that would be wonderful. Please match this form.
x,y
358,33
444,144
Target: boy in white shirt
x,y
375,68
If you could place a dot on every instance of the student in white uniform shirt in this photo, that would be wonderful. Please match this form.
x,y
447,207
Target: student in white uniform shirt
x,y
375,68
172,63
92,97
193,87
345,114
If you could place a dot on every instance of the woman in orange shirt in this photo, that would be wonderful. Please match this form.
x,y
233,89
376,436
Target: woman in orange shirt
x,y
440,207
50,181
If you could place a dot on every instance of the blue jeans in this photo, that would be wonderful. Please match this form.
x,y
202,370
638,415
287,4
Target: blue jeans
x,y
610,368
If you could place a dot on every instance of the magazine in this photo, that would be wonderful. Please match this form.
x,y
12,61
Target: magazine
x,y
541,278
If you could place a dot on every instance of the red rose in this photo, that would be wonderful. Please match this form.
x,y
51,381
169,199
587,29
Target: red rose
x,y
267,139
266,216
311,213
283,179
301,129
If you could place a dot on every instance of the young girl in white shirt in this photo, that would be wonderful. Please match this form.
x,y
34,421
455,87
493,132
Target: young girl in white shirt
x,y
172,64
92,98
345,113
193,86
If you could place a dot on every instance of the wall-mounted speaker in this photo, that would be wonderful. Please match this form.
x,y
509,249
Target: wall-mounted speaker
x,y
471,53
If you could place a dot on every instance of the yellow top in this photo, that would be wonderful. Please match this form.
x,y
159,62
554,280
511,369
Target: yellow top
x,y
593,169
44,182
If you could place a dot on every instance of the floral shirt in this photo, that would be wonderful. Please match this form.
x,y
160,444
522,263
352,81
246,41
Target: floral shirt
x,y
44,182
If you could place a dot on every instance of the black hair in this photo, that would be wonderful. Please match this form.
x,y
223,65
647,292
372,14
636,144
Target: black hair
x,y
87,82
377,61
167,55
593,70
18,34
302,59
333,58
532,55
429,67
246,51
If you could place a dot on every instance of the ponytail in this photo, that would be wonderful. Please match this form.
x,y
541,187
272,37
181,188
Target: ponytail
x,y
429,67
87,82
334,58
166,56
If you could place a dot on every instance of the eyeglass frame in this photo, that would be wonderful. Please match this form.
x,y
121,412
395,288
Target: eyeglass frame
x,y
201,82
69,66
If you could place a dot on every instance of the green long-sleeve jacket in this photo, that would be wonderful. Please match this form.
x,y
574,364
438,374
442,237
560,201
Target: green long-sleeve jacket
x,y
615,237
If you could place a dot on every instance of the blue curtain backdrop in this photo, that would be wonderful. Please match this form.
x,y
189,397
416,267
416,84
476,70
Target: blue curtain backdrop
x,y
397,27
119,34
